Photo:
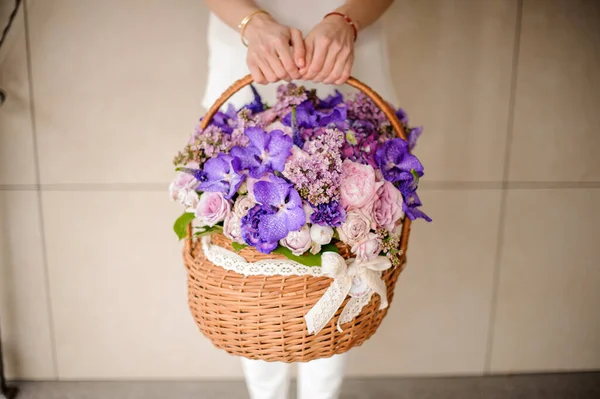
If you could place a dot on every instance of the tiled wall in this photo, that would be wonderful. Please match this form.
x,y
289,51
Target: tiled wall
x,y
101,93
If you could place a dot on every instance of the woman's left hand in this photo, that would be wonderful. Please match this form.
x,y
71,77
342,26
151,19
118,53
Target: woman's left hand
x,y
329,51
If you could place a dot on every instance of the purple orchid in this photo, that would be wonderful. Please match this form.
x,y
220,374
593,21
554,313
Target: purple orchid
x,y
398,165
284,199
250,230
413,135
256,106
198,174
411,205
402,116
329,214
267,152
306,117
332,100
337,116
222,174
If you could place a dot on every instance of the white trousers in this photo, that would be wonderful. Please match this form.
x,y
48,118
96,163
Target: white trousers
x,y
318,379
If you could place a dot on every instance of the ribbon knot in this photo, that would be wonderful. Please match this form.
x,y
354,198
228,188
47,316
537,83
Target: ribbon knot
x,y
359,279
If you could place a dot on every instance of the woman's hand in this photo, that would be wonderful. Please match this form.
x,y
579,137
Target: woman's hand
x,y
270,57
329,51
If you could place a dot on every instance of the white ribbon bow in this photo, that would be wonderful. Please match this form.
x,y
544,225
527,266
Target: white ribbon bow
x,y
353,277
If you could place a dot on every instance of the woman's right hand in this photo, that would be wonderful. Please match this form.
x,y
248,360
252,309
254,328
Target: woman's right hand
x,y
270,57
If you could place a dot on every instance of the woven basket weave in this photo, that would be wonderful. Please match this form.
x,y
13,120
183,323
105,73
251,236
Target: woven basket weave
x,y
262,317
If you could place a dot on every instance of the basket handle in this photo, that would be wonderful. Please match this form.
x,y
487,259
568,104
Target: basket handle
x,y
357,84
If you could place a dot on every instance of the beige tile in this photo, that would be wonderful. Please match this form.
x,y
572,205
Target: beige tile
x,y
117,84
26,336
451,62
547,312
558,93
119,290
438,322
16,138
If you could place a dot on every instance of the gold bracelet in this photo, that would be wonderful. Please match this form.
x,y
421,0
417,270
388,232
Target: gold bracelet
x,y
242,25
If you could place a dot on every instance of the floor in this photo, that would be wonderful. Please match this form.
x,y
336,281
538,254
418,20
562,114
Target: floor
x,y
549,386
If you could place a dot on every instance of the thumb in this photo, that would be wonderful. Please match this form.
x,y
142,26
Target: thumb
x,y
299,49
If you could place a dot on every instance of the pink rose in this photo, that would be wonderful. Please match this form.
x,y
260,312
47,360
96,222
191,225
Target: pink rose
x,y
358,185
232,227
368,248
183,188
356,227
387,209
298,241
212,208
242,205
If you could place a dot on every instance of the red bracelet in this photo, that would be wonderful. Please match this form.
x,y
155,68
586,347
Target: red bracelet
x,y
347,19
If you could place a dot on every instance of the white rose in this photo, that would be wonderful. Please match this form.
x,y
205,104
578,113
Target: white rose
x,y
321,234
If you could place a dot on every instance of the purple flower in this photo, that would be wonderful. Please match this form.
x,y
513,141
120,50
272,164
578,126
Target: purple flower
x,y
222,174
256,105
329,214
198,174
306,117
284,199
332,100
267,152
413,135
223,121
337,116
411,205
250,229
397,164
402,116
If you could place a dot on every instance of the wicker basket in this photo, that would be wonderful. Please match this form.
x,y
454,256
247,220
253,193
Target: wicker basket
x,y
262,317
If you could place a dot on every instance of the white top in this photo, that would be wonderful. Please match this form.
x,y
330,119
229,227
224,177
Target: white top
x,y
227,54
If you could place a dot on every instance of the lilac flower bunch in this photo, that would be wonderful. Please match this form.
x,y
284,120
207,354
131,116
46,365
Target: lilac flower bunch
x,y
316,171
301,174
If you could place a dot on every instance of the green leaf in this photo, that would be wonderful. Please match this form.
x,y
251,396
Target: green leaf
x,y
306,259
415,175
181,224
208,230
237,246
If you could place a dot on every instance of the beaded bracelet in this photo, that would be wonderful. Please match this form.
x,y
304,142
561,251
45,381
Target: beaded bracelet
x,y
348,20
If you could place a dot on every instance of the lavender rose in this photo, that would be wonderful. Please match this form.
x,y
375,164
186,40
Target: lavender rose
x,y
356,227
242,205
183,188
212,208
232,227
387,209
368,248
298,241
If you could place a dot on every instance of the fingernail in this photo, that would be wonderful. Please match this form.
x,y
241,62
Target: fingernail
x,y
301,63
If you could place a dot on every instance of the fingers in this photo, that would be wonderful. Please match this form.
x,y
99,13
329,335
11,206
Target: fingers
x,y
269,74
333,57
338,69
347,71
299,49
257,74
309,47
284,54
318,58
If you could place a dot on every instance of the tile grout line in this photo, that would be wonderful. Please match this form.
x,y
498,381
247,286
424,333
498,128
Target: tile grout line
x,y
426,185
38,190
505,190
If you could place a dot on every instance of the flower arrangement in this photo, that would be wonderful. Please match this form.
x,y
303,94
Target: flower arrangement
x,y
298,176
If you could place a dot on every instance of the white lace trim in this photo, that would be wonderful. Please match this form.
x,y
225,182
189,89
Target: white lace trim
x,y
232,261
